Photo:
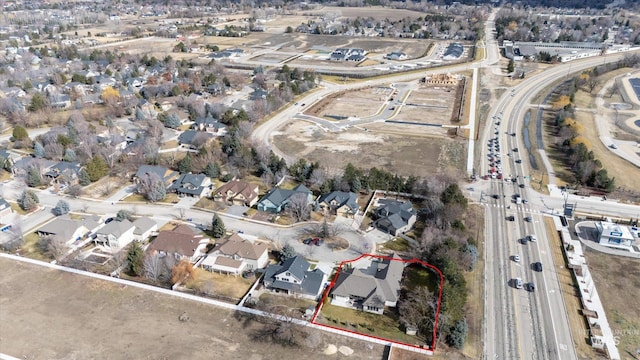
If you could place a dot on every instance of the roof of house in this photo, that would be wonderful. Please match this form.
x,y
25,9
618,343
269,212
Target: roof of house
x,y
62,167
116,228
376,284
181,240
189,183
209,122
298,267
248,190
64,226
394,212
188,136
4,204
162,172
143,225
237,246
228,262
340,198
278,196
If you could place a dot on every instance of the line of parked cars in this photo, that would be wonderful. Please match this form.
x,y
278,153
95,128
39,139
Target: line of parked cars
x,y
313,241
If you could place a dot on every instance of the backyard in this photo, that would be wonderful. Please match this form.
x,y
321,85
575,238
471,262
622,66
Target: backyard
x,y
227,286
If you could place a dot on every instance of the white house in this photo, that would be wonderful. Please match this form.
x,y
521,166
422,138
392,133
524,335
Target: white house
x,y
115,235
69,230
145,227
235,255
614,235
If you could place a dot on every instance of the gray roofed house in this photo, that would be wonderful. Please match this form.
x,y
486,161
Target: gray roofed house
x,y
145,227
5,212
210,125
276,199
370,289
191,185
453,51
21,166
341,203
166,175
64,172
294,277
69,230
115,235
395,217
194,139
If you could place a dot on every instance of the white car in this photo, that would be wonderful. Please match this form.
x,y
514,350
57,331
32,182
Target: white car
x,y
516,258
533,238
518,283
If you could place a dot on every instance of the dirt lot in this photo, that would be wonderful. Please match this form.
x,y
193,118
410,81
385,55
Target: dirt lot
x,y
360,103
429,104
58,315
614,276
388,146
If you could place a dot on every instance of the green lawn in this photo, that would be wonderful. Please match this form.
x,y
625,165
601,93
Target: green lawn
x,y
30,248
397,244
386,326
415,275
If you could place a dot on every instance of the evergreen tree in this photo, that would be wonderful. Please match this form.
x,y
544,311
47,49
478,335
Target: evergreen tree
x,y
212,170
157,192
287,252
28,200
69,155
19,133
217,227
62,207
97,168
184,166
33,177
124,215
511,66
458,334
83,178
38,150
135,259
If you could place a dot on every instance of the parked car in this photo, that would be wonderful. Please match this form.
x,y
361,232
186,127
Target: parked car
x,y
317,241
511,218
528,219
531,287
518,161
307,241
109,220
537,266
518,283
516,258
532,238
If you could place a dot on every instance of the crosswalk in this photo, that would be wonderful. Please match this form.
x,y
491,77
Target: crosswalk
x,y
513,207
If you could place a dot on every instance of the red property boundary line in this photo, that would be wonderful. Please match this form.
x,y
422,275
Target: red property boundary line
x,y
410,261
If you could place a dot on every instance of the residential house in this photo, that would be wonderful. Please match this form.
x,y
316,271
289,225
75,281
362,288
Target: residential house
x,y
60,101
396,55
115,235
70,230
181,243
276,199
7,159
63,173
341,203
145,227
238,192
235,255
371,289
395,217
294,277
191,185
194,139
5,212
210,125
21,166
162,173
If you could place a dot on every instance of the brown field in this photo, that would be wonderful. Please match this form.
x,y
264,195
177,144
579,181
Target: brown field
x,y
376,12
58,315
613,276
359,103
387,146
429,104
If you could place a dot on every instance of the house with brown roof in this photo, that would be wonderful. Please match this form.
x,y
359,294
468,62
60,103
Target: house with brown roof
x,y
235,255
181,243
238,192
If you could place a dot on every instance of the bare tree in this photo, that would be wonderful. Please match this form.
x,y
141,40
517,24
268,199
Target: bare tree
x,y
298,207
155,268
53,246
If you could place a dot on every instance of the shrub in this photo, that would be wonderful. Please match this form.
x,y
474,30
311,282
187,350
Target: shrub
x,y
62,207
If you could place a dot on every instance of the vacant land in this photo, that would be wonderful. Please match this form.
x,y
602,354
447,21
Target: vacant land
x,y
360,103
390,146
429,105
613,276
57,315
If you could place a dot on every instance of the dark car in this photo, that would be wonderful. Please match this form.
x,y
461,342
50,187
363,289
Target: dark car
x,y
518,161
537,266
531,287
511,218
515,149
528,219
109,220
521,186
307,241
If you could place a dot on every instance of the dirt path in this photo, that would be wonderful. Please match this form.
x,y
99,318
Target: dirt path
x,y
49,314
